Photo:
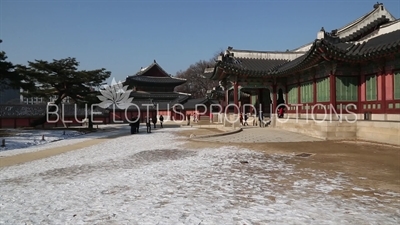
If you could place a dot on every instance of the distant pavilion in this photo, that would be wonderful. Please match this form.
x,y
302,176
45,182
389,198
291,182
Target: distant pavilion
x,y
152,85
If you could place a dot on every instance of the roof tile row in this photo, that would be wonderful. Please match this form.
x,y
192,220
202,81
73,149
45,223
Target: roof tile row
x,y
370,49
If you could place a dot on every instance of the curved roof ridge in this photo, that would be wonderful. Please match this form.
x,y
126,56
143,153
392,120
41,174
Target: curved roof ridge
x,y
375,18
288,55
303,46
384,29
170,77
347,26
143,70
258,51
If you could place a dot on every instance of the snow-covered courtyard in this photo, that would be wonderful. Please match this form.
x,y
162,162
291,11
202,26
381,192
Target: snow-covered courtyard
x,y
17,139
154,179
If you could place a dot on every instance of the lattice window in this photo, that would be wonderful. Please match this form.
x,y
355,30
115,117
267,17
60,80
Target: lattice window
x,y
396,85
306,92
323,90
293,94
371,88
347,88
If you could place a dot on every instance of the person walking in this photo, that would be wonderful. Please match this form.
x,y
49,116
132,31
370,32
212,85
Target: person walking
x,y
195,118
246,117
137,124
255,119
281,112
133,126
154,120
188,119
161,120
148,125
261,119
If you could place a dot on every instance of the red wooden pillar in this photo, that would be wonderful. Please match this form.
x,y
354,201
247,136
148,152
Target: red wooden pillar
x,y
359,105
314,89
383,90
235,96
286,92
299,90
259,99
226,98
362,91
274,100
251,102
332,90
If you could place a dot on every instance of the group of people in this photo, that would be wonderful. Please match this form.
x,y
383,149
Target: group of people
x,y
243,120
195,118
136,122
259,118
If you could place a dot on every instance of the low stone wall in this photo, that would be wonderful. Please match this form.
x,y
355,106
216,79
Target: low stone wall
x,y
232,120
345,116
328,130
375,131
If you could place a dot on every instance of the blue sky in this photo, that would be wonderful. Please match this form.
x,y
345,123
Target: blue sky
x,y
123,36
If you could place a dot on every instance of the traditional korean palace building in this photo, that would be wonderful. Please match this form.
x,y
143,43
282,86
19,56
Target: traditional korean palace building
x,y
355,68
152,85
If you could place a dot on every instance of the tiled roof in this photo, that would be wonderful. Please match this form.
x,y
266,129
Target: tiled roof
x,y
361,26
146,69
156,95
369,37
158,80
368,50
208,72
191,103
319,51
25,111
242,93
292,63
252,67
385,42
180,99
162,78
162,103
371,49
142,104
260,64
367,28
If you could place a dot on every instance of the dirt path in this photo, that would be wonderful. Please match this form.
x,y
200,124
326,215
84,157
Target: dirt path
x,y
368,165
30,156
199,132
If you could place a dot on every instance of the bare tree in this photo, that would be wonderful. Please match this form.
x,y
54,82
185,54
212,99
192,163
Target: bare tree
x,y
197,84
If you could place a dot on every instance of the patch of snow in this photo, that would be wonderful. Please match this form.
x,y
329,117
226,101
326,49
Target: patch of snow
x,y
29,138
22,146
359,189
153,179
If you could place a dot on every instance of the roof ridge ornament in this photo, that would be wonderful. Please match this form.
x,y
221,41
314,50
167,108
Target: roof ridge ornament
x,y
321,34
377,4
